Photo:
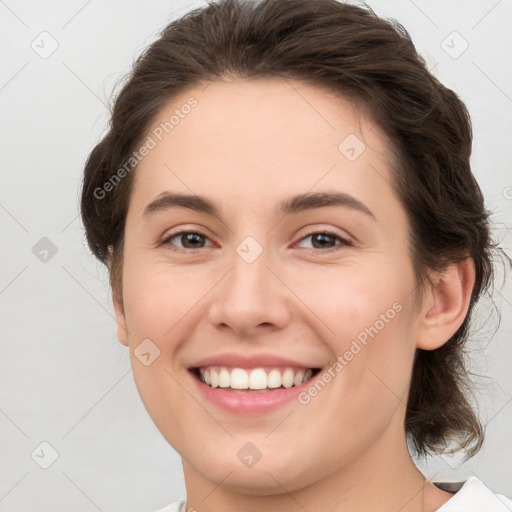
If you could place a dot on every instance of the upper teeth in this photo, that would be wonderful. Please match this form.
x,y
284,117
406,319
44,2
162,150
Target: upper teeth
x,y
257,378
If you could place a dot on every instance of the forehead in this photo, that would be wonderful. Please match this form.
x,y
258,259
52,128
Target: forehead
x,y
277,111
244,138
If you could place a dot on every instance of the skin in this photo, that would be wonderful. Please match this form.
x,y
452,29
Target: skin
x,y
247,145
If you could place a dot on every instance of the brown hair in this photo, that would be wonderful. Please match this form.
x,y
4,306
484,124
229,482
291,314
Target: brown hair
x,y
353,52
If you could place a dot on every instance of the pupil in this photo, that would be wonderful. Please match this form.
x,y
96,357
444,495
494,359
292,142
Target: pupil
x,y
189,237
324,236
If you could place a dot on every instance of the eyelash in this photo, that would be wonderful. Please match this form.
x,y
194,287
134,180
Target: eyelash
x,y
344,242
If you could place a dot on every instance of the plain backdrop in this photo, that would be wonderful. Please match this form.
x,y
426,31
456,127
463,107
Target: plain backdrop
x,y
66,381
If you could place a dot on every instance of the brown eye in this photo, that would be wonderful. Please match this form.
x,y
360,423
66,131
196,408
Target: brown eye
x,y
189,239
325,240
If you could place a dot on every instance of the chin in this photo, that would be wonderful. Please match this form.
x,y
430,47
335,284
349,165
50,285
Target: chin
x,y
264,478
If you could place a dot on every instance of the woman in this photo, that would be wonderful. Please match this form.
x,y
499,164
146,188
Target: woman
x,y
295,243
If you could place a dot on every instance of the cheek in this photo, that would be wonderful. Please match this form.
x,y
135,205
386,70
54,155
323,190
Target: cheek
x,y
370,315
160,298
359,301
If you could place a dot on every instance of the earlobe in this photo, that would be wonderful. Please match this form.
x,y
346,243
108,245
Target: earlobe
x,y
122,333
447,304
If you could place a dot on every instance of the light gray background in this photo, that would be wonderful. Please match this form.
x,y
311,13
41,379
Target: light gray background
x,y
65,379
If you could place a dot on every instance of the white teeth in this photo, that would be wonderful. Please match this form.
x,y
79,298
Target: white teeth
x,y
214,377
239,378
257,378
298,378
274,379
287,378
224,378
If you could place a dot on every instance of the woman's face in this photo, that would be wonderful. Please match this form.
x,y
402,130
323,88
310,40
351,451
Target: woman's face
x,y
258,287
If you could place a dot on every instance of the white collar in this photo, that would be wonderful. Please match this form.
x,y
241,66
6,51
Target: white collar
x,y
473,495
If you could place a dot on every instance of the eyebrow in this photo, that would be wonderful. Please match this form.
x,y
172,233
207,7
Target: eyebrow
x,y
291,205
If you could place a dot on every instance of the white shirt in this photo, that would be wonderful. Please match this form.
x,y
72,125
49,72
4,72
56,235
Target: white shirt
x,y
470,496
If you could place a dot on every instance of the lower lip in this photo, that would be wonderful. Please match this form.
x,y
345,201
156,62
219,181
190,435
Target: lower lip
x,y
249,402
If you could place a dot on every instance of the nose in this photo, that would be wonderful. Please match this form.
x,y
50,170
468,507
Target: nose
x,y
250,299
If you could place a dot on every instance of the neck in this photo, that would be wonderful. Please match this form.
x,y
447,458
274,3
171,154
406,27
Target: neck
x,y
384,478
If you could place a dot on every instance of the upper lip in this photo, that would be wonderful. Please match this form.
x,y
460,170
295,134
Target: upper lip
x,y
244,361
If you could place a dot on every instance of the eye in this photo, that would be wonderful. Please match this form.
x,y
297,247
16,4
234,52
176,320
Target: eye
x,y
193,240
190,240
323,239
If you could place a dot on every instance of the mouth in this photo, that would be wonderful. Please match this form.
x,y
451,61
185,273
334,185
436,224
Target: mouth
x,y
263,379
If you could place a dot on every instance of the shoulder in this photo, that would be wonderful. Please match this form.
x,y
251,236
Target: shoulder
x,y
473,496
177,506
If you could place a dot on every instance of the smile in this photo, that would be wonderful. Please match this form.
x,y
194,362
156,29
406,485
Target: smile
x,y
255,379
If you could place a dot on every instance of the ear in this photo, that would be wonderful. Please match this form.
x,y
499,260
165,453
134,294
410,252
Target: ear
x,y
446,304
122,332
